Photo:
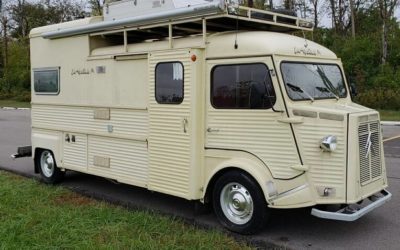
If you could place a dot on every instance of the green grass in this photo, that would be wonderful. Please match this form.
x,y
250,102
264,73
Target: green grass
x,y
14,104
38,216
389,115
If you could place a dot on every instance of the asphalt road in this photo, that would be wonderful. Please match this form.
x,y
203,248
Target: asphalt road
x,y
295,229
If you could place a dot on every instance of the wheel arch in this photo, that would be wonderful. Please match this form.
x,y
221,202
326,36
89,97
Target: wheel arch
x,y
47,140
259,172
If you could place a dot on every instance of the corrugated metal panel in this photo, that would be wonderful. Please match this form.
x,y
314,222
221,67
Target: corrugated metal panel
x,y
169,146
257,132
125,122
75,153
326,169
128,159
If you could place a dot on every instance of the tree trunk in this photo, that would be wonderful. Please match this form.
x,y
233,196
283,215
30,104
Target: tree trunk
x,y
4,24
333,10
387,8
384,43
289,4
316,22
353,19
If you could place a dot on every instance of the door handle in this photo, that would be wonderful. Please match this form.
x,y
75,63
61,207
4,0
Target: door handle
x,y
67,138
212,130
292,120
185,124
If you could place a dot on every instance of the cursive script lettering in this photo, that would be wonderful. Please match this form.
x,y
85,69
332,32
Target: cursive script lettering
x,y
82,72
306,51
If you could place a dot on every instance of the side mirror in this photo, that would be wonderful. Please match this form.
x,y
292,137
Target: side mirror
x,y
353,90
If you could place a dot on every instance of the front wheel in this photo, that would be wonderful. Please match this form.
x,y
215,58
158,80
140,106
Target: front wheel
x,y
239,203
47,166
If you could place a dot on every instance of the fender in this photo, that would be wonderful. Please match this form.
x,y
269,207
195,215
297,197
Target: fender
x,y
291,193
220,160
47,140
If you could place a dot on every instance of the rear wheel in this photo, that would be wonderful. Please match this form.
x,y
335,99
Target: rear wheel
x,y
239,203
47,166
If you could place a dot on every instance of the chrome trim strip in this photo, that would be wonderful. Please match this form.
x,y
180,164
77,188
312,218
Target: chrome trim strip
x,y
289,192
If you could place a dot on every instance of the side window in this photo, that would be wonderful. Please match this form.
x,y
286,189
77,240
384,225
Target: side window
x,y
46,81
242,86
169,83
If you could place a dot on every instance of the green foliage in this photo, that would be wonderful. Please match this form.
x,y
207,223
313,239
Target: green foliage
x,y
36,216
389,115
377,84
18,69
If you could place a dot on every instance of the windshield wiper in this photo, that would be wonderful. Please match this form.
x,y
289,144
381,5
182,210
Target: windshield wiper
x,y
327,90
299,90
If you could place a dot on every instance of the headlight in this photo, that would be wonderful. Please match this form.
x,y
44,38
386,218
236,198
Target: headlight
x,y
329,143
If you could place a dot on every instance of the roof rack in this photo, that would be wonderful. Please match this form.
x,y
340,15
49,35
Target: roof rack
x,y
209,17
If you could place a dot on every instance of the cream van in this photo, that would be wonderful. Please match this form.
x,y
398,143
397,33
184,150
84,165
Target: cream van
x,y
207,101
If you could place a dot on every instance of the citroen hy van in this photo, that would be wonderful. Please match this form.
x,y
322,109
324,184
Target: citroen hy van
x,y
208,101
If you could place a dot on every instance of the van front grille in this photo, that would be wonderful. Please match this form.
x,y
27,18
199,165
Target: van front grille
x,y
370,152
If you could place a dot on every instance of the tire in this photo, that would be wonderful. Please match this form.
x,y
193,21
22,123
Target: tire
x,y
239,203
46,163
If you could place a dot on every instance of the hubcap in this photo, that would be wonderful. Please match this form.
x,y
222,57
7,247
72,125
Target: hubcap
x,y
47,164
236,203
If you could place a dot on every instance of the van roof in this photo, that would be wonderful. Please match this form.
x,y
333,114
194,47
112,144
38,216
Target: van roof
x,y
258,43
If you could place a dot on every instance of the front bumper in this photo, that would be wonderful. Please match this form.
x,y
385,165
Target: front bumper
x,y
354,211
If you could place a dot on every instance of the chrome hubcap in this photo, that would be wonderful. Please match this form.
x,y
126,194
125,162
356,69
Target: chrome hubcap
x,y
47,164
236,203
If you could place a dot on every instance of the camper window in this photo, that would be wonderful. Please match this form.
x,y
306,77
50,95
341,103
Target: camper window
x,y
169,83
242,86
47,81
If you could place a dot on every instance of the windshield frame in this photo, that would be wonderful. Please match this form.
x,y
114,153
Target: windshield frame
x,y
314,63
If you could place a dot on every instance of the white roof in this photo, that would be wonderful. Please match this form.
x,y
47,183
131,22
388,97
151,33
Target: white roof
x,y
259,43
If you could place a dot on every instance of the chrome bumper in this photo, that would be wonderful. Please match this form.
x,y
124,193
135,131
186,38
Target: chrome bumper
x,y
354,212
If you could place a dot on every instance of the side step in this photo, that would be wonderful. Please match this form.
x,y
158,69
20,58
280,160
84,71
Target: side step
x,y
354,211
25,151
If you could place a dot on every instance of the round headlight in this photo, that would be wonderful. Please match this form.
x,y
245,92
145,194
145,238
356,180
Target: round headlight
x,y
329,143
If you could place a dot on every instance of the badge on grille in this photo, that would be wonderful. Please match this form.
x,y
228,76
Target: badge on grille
x,y
368,145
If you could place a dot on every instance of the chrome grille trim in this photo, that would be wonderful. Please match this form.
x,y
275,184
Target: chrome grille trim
x,y
369,143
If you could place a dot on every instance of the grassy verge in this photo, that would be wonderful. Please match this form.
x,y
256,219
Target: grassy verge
x,y
34,215
389,115
14,104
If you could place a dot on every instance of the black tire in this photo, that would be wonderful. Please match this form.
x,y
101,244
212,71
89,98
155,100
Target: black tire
x,y
46,164
240,186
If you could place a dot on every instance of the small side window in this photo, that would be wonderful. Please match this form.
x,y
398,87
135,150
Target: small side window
x,y
169,83
242,86
46,81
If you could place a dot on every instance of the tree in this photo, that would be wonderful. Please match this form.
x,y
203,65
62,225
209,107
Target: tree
x,y
289,4
315,5
387,8
339,11
4,23
353,19
96,6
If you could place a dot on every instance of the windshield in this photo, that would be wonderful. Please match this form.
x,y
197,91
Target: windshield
x,y
311,81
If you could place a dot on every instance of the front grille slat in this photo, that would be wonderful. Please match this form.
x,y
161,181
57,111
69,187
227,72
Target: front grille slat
x,y
370,152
